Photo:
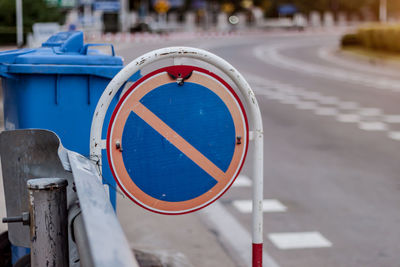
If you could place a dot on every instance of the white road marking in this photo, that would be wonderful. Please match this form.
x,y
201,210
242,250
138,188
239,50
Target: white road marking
x,y
328,54
394,135
370,112
306,105
291,101
348,105
372,126
231,233
391,118
269,205
368,119
299,240
242,181
326,111
312,95
270,54
348,118
277,96
329,100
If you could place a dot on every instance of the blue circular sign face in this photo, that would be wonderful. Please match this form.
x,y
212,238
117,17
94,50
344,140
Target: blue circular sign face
x,y
177,139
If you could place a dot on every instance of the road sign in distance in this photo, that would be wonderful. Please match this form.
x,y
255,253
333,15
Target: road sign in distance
x,y
177,139
161,6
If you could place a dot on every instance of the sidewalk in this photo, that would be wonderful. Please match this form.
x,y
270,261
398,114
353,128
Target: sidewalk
x,y
179,240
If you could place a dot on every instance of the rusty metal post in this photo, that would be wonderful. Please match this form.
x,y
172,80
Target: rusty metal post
x,y
48,222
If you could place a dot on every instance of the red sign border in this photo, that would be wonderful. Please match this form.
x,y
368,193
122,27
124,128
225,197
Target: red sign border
x,y
183,69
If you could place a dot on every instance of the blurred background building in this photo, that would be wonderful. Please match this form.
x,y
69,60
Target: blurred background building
x,y
103,16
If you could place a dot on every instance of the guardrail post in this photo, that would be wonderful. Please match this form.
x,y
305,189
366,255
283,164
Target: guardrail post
x,y
48,222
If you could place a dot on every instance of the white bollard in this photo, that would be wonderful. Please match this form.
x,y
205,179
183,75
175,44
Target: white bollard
x,y
315,19
329,20
222,22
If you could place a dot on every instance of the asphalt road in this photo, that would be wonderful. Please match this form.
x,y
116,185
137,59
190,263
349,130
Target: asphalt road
x,y
332,139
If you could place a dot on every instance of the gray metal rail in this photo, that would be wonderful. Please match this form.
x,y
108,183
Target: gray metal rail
x,y
93,228
106,242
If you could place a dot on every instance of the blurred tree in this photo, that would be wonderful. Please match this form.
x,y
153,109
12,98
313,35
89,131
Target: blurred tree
x,y
33,11
270,7
347,6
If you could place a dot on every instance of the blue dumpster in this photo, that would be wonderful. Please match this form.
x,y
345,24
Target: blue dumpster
x,y
57,87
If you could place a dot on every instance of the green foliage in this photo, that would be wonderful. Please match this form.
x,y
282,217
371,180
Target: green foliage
x,y
33,11
382,37
350,39
346,6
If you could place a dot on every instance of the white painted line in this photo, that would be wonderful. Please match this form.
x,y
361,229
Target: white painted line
x,y
326,111
394,135
312,95
269,205
265,93
271,54
232,234
242,181
277,96
368,119
307,105
348,105
329,55
373,126
392,119
290,101
329,100
299,240
293,100
348,118
370,112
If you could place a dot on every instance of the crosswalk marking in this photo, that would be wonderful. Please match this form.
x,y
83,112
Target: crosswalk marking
x,y
366,118
269,205
299,240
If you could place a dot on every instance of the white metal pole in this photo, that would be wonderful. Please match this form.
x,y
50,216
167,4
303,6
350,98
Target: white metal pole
x,y
20,30
383,10
87,15
97,144
123,15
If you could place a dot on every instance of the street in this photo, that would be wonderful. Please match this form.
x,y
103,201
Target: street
x,y
332,132
331,146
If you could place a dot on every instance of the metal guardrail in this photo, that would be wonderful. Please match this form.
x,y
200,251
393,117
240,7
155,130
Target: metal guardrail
x,y
93,235
104,241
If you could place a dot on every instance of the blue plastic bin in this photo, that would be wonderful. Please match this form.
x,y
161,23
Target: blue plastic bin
x,y
57,87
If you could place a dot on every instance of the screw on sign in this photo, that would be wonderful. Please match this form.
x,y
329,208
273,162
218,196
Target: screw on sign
x,y
177,139
162,6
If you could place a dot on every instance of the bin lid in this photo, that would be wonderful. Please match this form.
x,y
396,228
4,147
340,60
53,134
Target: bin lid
x,y
64,52
67,48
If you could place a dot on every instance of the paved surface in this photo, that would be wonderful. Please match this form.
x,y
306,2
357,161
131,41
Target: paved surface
x,y
331,151
332,132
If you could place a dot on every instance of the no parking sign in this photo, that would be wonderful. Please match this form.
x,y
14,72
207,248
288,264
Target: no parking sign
x,y
179,136
177,139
